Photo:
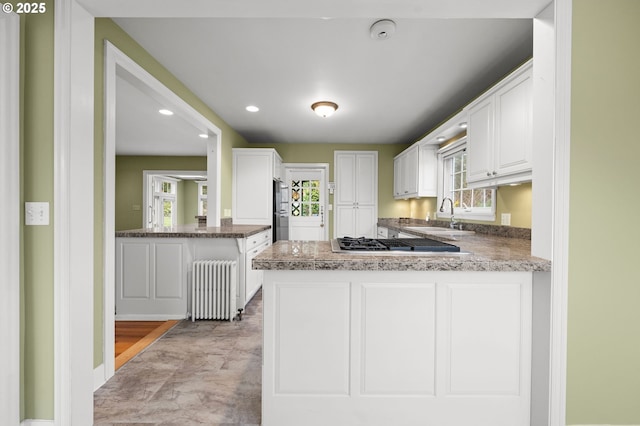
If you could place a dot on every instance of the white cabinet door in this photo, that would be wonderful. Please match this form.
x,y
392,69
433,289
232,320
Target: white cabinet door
x,y
480,136
253,277
366,179
151,279
397,176
252,186
345,221
428,171
345,177
365,221
514,109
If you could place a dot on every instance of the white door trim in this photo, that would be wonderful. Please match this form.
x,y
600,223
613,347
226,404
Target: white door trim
x,y
82,26
560,234
73,208
117,62
10,218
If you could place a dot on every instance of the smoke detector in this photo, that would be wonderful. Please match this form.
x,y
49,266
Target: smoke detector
x,y
382,29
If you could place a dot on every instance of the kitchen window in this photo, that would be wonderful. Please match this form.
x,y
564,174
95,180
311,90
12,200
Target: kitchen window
x,y
468,203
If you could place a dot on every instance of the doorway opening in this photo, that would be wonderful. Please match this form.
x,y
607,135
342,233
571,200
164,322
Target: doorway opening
x,y
120,70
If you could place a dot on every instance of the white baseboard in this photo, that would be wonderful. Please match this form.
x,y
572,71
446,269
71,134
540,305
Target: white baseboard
x,y
98,377
32,422
148,317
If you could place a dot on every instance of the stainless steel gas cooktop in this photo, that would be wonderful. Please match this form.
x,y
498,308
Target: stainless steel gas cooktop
x,y
363,245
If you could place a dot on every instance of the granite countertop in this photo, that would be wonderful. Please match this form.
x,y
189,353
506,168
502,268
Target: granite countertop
x,y
486,253
194,231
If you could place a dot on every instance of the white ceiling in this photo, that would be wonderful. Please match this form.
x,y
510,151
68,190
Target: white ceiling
x,y
390,91
141,130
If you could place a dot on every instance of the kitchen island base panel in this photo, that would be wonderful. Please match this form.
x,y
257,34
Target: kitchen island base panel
x,y
403,348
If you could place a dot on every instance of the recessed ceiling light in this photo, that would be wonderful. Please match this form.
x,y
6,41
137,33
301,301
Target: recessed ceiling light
x,y
204,135
252,108
441,139
165,112
463,125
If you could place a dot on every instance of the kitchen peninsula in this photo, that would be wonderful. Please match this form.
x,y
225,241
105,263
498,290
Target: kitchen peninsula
x,y
154,266
404,339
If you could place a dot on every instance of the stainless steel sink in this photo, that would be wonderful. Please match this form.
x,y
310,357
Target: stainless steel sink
x,y
438,230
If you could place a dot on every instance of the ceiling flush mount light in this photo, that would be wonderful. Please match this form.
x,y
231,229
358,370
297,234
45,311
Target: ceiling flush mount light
x,y
252,108
324,108
463,125
165,112
382,29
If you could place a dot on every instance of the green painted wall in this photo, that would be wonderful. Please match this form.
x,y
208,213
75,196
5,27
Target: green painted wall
x,y
36,317
190,202
323,153
106,29
509,199
129,187
603,377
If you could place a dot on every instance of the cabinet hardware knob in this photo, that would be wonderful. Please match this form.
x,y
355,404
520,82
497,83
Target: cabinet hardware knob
x,y
495,173
488,174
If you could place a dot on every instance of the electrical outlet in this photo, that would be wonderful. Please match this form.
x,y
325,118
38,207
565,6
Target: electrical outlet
x,y
135,207
505,219
227,212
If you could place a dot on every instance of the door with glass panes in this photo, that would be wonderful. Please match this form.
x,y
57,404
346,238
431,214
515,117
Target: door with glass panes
x,y
307,193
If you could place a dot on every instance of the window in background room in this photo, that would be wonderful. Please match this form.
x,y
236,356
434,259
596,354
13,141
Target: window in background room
x,y
164,202
202,198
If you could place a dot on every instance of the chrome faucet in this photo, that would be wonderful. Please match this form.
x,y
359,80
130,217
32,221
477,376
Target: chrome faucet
x,y
453,220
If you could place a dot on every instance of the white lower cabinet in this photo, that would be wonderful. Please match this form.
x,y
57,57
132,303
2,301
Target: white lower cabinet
x,y
151,278
154,275
375,348
252,277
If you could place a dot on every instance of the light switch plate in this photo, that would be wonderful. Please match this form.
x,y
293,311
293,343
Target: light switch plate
x,y
36,213
505,219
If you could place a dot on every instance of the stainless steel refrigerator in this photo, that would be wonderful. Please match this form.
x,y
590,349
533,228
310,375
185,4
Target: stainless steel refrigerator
x,y
280,226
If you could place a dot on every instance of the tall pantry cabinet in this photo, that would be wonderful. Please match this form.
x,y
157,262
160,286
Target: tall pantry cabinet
x,y
356,196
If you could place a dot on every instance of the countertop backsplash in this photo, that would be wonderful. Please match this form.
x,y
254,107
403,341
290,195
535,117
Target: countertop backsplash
x,y
493,230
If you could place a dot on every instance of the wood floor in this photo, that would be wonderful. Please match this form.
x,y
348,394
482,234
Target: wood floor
x,y
133,336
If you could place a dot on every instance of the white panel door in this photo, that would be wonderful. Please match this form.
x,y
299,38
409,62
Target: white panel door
x,y
345,221
484,329
151,279
307,201
399,339
312,334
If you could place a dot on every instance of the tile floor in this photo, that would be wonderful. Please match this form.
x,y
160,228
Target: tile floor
x,y
202,373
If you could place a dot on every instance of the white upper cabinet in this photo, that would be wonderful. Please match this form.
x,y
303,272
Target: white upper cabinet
x,y
499,134
414,172
254,170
